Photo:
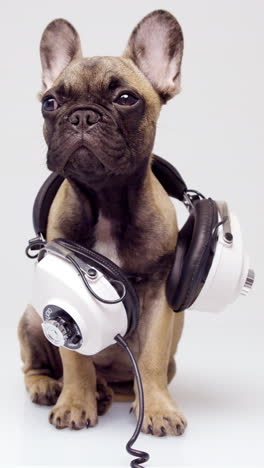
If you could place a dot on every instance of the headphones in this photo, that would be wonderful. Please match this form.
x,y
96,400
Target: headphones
x,y
209,272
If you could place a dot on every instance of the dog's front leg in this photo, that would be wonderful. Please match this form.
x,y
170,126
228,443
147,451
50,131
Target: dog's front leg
x,y
76,407
157,346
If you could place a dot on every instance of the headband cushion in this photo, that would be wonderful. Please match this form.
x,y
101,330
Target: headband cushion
x,y
194,255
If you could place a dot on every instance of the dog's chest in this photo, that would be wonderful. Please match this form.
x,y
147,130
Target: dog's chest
x,y
105,243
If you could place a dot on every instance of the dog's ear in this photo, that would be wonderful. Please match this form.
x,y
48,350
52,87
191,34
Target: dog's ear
x,y
59,45
156,47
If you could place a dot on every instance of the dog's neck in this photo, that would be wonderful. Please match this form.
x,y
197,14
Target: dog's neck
x,y
127,225
121,199
120,202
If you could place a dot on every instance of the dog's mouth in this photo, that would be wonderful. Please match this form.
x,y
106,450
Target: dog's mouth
x,y
93,157
80,158
83,155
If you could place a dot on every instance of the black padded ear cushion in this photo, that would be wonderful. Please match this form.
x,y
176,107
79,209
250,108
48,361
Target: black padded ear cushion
x,y
194,255
110,269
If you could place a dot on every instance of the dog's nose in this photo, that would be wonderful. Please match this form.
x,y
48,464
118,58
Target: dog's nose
x,y
82,119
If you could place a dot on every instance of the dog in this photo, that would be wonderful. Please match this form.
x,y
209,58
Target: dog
x,y
100,117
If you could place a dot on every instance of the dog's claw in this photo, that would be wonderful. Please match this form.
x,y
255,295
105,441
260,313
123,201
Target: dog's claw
x,y
57,391
57,424
163,431
35,397
51,417
88,422
180,429
150,429
73,425
131,409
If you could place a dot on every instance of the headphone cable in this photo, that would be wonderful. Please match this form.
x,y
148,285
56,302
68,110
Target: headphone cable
x,y
142,457
82,275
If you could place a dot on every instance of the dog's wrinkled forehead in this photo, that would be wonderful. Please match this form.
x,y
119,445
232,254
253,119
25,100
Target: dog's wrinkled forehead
x,y
95,75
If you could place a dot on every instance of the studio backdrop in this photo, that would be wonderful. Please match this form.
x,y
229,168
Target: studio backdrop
x,y
212,132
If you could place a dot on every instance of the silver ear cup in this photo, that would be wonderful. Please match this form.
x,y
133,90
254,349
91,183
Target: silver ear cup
x,y
55,332
60,328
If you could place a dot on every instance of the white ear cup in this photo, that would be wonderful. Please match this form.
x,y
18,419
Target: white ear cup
x,y
229,275
56,282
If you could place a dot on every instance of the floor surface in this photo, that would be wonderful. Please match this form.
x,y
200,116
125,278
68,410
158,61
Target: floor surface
x,y
219,387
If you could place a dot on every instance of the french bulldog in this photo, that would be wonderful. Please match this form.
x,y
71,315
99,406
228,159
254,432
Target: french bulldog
x,y
100,116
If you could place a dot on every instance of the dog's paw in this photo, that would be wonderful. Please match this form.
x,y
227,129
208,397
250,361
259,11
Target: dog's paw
x,y
164,423
73,414
162,420
43,390
104,396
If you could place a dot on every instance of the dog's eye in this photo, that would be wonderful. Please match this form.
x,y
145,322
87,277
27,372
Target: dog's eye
x,y
50,104
126,99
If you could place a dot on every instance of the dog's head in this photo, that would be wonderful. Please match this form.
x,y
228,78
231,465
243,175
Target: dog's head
x,y
100,113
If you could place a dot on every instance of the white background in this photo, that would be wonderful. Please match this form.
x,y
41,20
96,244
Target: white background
x,y
213,133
